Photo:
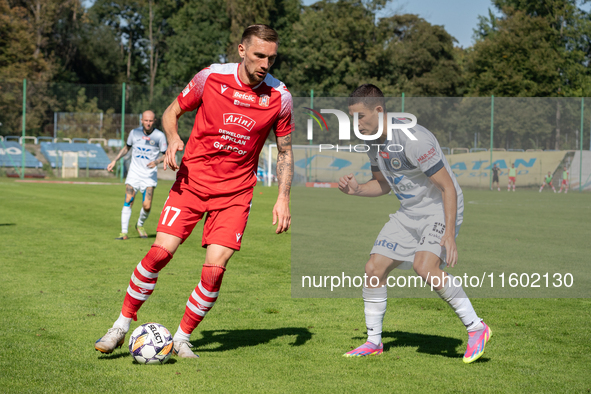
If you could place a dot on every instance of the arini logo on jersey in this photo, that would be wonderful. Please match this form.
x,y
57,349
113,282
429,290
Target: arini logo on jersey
x,y
239,120
245,96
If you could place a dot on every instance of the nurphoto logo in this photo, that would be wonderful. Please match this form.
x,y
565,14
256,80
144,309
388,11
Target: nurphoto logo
x,y
345,128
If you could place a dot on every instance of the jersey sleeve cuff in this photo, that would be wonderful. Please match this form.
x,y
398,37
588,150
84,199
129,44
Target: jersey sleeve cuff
x,y
182,104
282,133
434,169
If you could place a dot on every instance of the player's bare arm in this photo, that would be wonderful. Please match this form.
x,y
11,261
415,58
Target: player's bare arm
x,y
375,187
281,214
121,153
443,181
170,123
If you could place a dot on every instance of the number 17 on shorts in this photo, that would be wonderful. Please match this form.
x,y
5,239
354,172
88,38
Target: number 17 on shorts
x,y
225,221
166,211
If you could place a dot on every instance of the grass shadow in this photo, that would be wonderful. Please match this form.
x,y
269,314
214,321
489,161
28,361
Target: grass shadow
x,y
7,224
234,339
125,353
113,356
430,344
170,361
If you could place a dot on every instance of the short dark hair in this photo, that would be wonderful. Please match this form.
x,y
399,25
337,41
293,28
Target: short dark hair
x,y
264,32
369,95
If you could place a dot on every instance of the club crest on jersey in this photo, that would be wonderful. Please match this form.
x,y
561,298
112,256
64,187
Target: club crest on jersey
x,y
244,96
385,155
188,88
152,142
240,120
264,100
396,163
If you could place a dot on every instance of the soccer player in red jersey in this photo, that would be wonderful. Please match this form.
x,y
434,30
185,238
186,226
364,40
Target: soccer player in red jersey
x,y
238,104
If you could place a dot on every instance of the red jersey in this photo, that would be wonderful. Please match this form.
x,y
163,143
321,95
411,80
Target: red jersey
x,y
231,126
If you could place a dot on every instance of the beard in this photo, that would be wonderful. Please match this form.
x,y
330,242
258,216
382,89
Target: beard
x,y
252,76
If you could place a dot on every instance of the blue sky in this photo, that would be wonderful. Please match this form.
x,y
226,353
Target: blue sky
x,y
459,17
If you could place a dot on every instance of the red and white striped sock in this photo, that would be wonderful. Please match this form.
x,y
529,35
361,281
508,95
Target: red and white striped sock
x,y
201,300
143,280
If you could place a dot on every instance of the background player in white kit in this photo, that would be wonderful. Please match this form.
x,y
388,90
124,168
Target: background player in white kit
x,y
147,144
421,234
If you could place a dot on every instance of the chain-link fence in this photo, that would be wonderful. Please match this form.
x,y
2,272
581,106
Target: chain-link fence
x,y
69,112
81,111
94,111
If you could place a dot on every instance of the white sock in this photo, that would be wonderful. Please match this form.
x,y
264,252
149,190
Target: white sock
x,y
122,322
180,335
375,301
125,216
143,216
458,300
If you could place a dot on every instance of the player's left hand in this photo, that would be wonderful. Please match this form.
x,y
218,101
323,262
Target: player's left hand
x,y
174,146
281,215
448,241
152,164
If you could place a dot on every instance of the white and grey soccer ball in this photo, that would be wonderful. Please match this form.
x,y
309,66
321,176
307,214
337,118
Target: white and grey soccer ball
x,y
151,343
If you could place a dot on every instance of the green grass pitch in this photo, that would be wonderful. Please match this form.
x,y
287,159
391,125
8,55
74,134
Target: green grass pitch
x,y
63,278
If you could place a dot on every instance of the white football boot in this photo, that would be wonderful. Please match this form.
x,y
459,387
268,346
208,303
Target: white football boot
x,y
183,349
113,339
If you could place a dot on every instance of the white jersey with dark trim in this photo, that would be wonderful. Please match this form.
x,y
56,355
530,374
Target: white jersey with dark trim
x,y
407,165
145,149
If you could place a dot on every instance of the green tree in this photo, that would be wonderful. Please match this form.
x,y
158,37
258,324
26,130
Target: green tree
x,y
536,48
415,57
328,47
520,58
18,52
199,37
126,20
21,56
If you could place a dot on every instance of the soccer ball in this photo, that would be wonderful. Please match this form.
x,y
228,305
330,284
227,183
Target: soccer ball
x,y
150,343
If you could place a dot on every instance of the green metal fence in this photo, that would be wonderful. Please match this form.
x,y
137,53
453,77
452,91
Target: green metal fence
x,y
29,109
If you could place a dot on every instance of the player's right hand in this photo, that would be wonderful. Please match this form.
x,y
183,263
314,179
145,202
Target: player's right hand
x,y
111,166
348,184
175,146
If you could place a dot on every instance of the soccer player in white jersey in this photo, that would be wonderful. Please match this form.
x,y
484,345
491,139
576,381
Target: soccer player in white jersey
x,y
147,143
421,234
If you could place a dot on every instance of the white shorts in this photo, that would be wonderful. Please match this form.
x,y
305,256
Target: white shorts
x,y
140,184
405,235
